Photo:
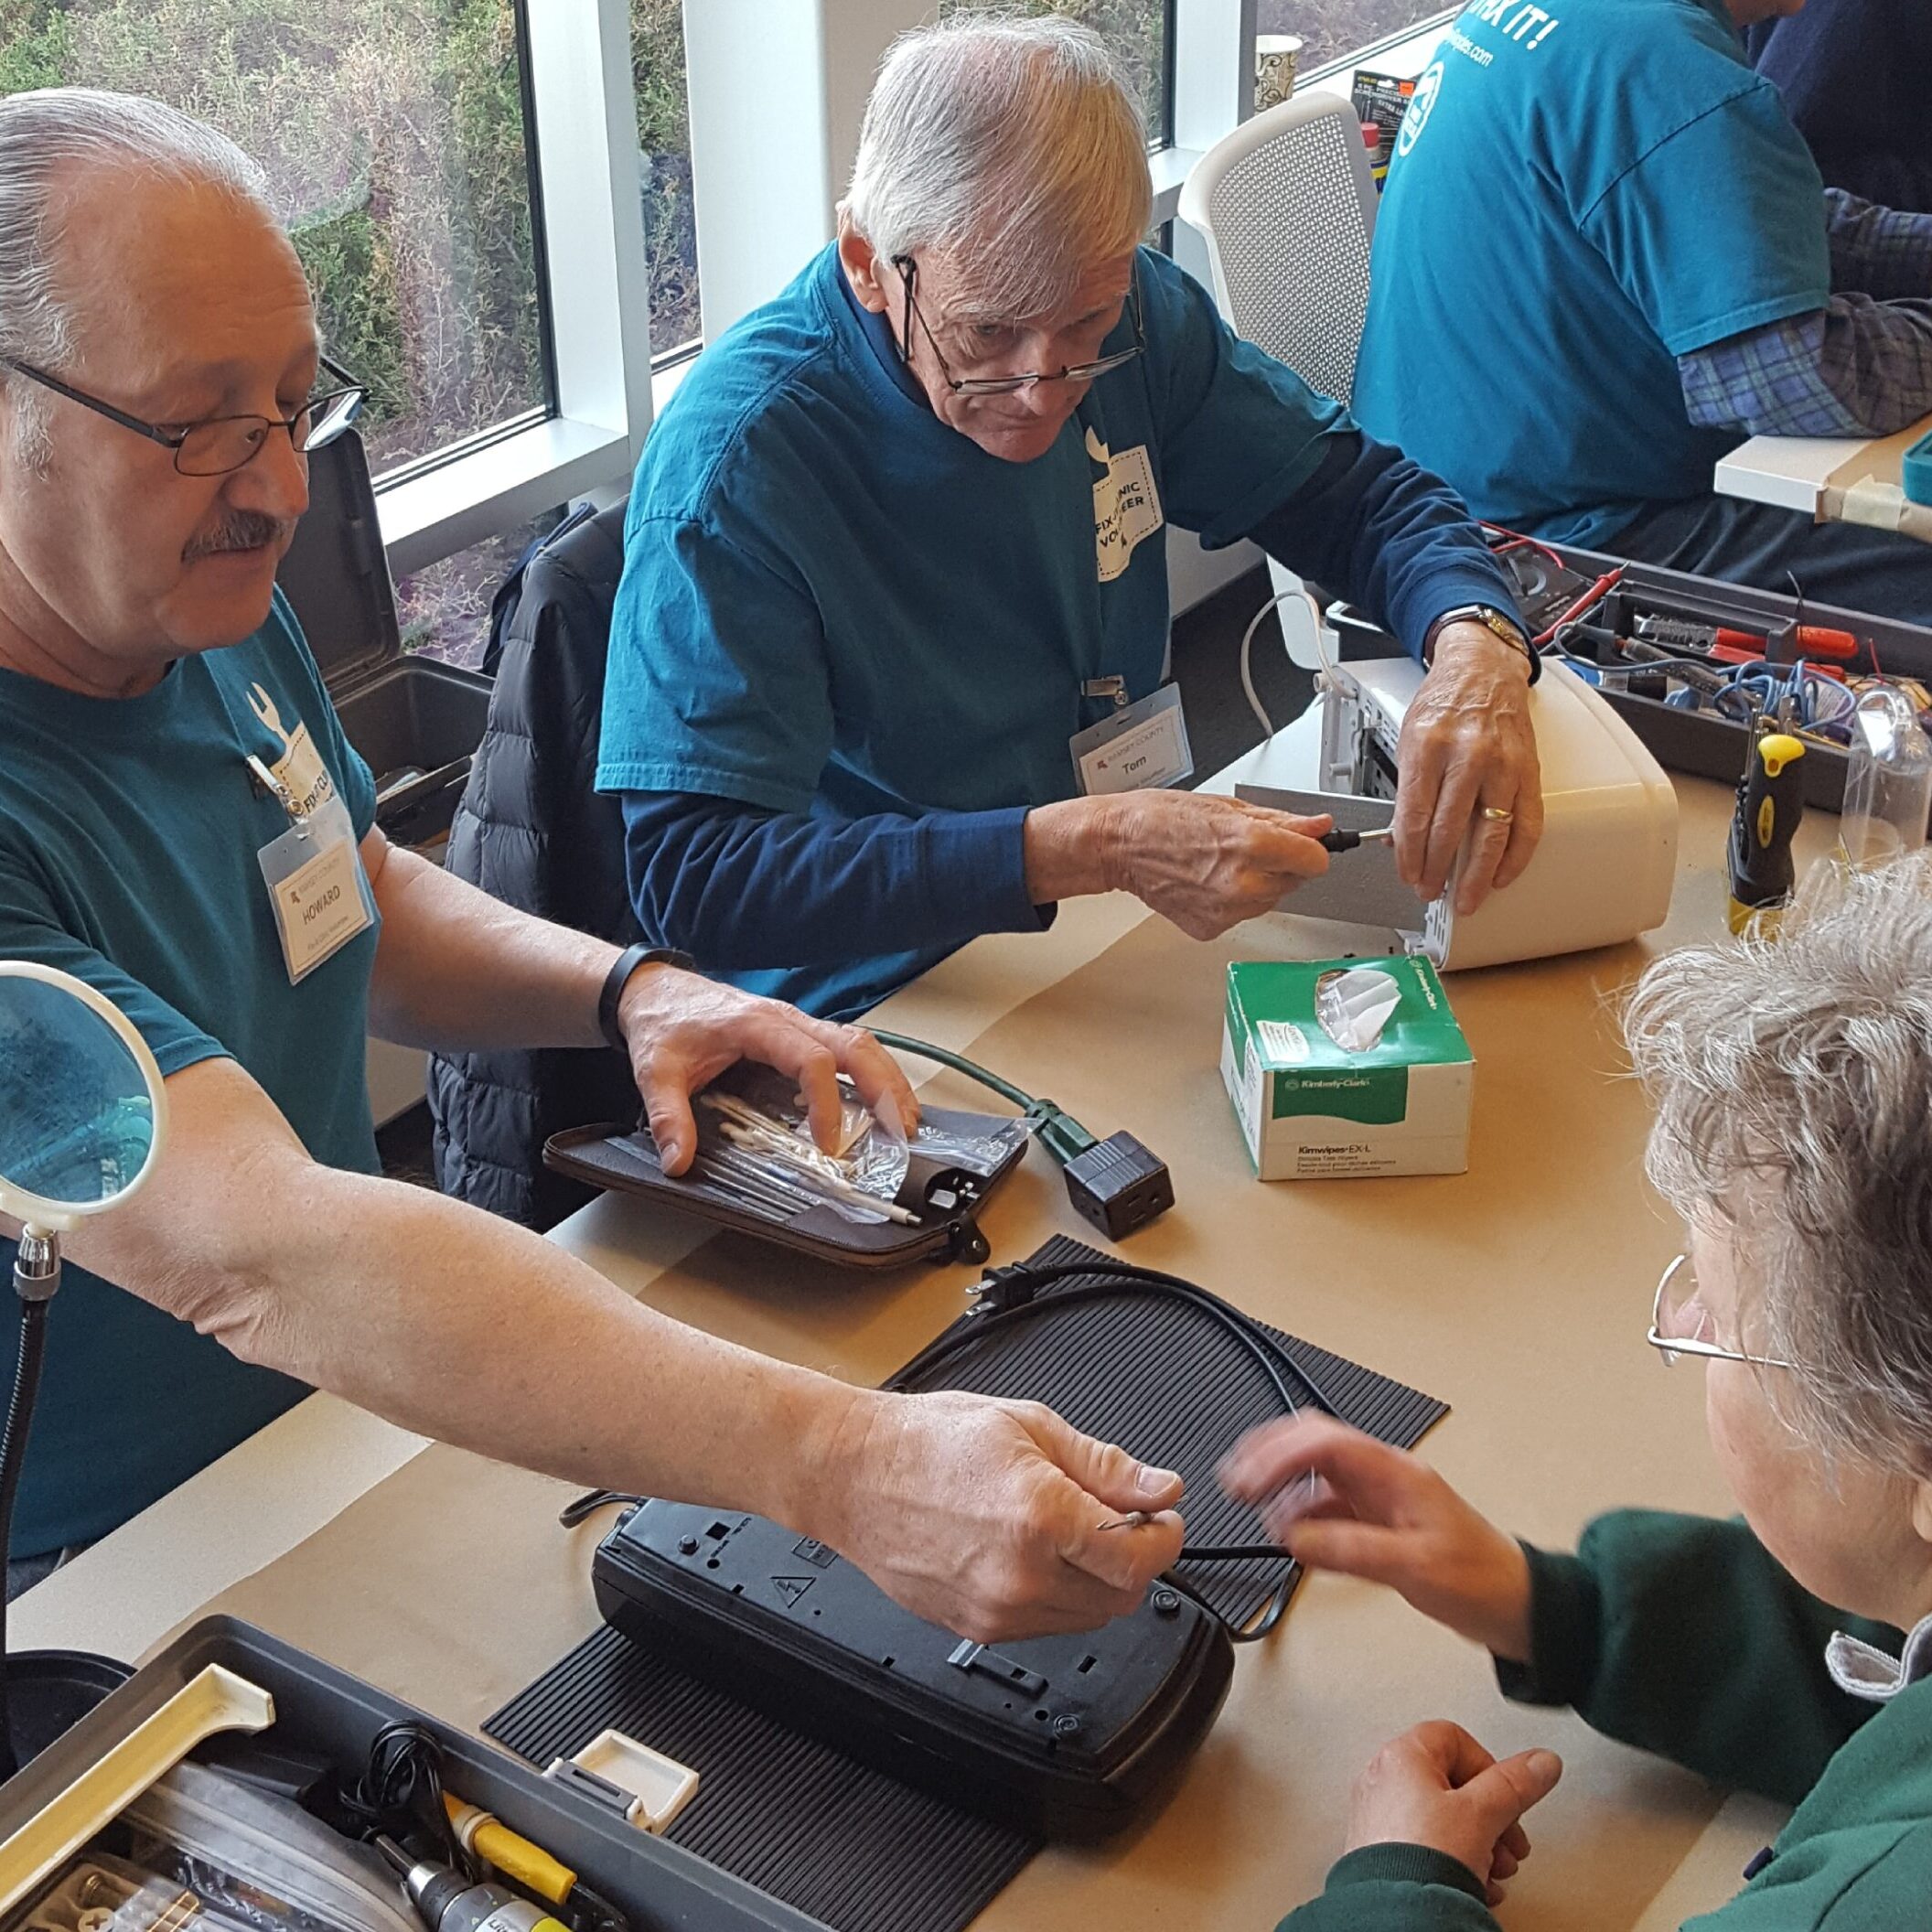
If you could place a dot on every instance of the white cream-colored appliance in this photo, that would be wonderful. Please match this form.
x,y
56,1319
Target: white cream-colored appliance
x,y
1602,872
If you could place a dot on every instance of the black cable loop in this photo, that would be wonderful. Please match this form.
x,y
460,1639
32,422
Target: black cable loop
x,y
1111,1281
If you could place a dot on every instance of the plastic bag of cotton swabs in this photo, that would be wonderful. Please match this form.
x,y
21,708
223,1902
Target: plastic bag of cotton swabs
x,y
765,1155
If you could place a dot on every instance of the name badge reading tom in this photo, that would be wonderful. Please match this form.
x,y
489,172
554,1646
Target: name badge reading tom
x,y
317,888
1141,746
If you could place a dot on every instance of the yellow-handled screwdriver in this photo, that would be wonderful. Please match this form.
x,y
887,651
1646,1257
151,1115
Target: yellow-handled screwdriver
x,y
1770,803
485,1837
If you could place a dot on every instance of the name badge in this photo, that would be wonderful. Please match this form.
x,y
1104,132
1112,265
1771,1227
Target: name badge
x,y
317,888
1141,746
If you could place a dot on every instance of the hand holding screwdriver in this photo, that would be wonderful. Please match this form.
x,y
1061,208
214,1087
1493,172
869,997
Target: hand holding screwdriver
x,y
1339,840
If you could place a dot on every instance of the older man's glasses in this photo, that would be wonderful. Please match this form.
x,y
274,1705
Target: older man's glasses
x,y
1681,1325
1007,385
222,444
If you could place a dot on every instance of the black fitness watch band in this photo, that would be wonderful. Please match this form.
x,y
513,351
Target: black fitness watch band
x,y
619,977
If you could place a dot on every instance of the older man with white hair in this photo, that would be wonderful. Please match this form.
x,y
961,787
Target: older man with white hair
x,y
171,757
895,568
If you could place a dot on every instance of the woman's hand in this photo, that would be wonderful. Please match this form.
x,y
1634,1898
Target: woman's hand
x,y
1337,1499
1435,1785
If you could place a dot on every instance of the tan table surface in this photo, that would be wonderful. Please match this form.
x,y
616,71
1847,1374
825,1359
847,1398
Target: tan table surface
x,y
1517,1292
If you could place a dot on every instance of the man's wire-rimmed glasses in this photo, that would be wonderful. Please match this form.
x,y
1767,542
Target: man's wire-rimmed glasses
x,y
1006,385
1681,1325
222,444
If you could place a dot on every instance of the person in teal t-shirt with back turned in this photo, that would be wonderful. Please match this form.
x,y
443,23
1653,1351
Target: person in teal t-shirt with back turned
x,y
1605,258
1790,1653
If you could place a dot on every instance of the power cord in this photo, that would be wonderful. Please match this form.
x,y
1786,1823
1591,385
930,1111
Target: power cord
x,y
400,1794
1117,1184
1273,602
1007,1296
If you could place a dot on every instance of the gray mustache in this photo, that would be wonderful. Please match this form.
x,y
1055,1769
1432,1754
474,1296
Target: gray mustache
x,y
240,529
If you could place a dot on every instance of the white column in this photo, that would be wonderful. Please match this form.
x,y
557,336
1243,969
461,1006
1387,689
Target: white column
x,y
777,89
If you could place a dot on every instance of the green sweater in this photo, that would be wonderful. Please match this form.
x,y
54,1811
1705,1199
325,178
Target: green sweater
x,y
1682,1635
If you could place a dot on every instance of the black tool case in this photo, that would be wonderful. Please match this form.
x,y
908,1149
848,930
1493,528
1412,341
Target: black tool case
x,y
324,1711
1695,742
416,722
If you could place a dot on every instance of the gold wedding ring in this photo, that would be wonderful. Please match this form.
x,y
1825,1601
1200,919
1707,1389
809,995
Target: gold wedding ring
x,y
1498,814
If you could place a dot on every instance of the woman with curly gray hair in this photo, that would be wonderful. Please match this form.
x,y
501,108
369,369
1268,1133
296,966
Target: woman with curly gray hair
x,y
1789,1654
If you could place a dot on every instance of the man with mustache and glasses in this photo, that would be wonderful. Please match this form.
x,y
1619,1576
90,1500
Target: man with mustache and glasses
x,y
172,772
893,628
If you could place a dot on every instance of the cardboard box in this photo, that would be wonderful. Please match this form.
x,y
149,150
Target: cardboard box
x,y
1310,1108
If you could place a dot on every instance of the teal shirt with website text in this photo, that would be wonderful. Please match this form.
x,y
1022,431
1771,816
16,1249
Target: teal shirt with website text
x,y
129,830
1581,193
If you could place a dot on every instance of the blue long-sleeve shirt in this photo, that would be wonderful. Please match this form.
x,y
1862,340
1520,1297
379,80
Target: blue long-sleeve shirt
x,y
742,888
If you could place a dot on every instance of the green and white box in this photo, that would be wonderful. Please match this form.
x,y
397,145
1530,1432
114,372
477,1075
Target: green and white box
x,y
1314,1102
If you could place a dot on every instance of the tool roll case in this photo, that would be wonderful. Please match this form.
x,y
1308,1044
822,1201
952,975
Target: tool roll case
x,y
1700,742
418,723
62,1805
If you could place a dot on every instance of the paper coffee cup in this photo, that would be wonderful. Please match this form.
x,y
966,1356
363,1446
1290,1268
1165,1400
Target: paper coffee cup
x,y
1275,60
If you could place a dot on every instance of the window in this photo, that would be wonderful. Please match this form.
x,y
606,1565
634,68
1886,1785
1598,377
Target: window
x,y
394,138
1140,32
443,609
1332,30
670,234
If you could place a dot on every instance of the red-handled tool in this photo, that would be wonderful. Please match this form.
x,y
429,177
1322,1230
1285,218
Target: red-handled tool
x,y
1731,646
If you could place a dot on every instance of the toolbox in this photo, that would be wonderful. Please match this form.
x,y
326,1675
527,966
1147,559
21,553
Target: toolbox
x,y
72,1791
1700,743
418,723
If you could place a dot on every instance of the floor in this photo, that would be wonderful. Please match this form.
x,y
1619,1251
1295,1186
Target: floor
x,y
1221,726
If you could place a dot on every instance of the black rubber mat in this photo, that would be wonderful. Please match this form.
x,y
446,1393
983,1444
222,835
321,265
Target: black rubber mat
x,y
843,1843
855,1849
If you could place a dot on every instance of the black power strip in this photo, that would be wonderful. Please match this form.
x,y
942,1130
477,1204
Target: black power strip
x,y
1068,1737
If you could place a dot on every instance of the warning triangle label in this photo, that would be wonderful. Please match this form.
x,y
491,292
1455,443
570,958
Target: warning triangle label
x,y
791,1588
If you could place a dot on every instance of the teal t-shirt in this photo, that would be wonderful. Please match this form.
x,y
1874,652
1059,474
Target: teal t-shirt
x,y
129,830
1579,196
832,603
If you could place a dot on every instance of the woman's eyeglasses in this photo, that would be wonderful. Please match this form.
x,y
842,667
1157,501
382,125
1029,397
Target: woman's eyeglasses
x,y
1681,1325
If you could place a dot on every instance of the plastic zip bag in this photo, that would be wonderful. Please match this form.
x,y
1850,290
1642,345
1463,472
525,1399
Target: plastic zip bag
x,y
103,1893
981,1155
263,1860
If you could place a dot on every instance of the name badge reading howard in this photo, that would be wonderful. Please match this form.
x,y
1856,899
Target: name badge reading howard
x,y
318,889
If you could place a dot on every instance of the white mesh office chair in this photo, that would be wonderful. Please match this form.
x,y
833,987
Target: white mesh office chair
x,y
1287,207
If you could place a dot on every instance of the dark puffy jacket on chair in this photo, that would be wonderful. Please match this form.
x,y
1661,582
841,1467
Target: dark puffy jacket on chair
x,y
532,831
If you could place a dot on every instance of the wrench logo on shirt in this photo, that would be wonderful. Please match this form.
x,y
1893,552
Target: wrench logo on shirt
x,y
300,766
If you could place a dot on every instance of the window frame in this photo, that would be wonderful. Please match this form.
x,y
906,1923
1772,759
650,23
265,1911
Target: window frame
x,y
588,210
770,167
